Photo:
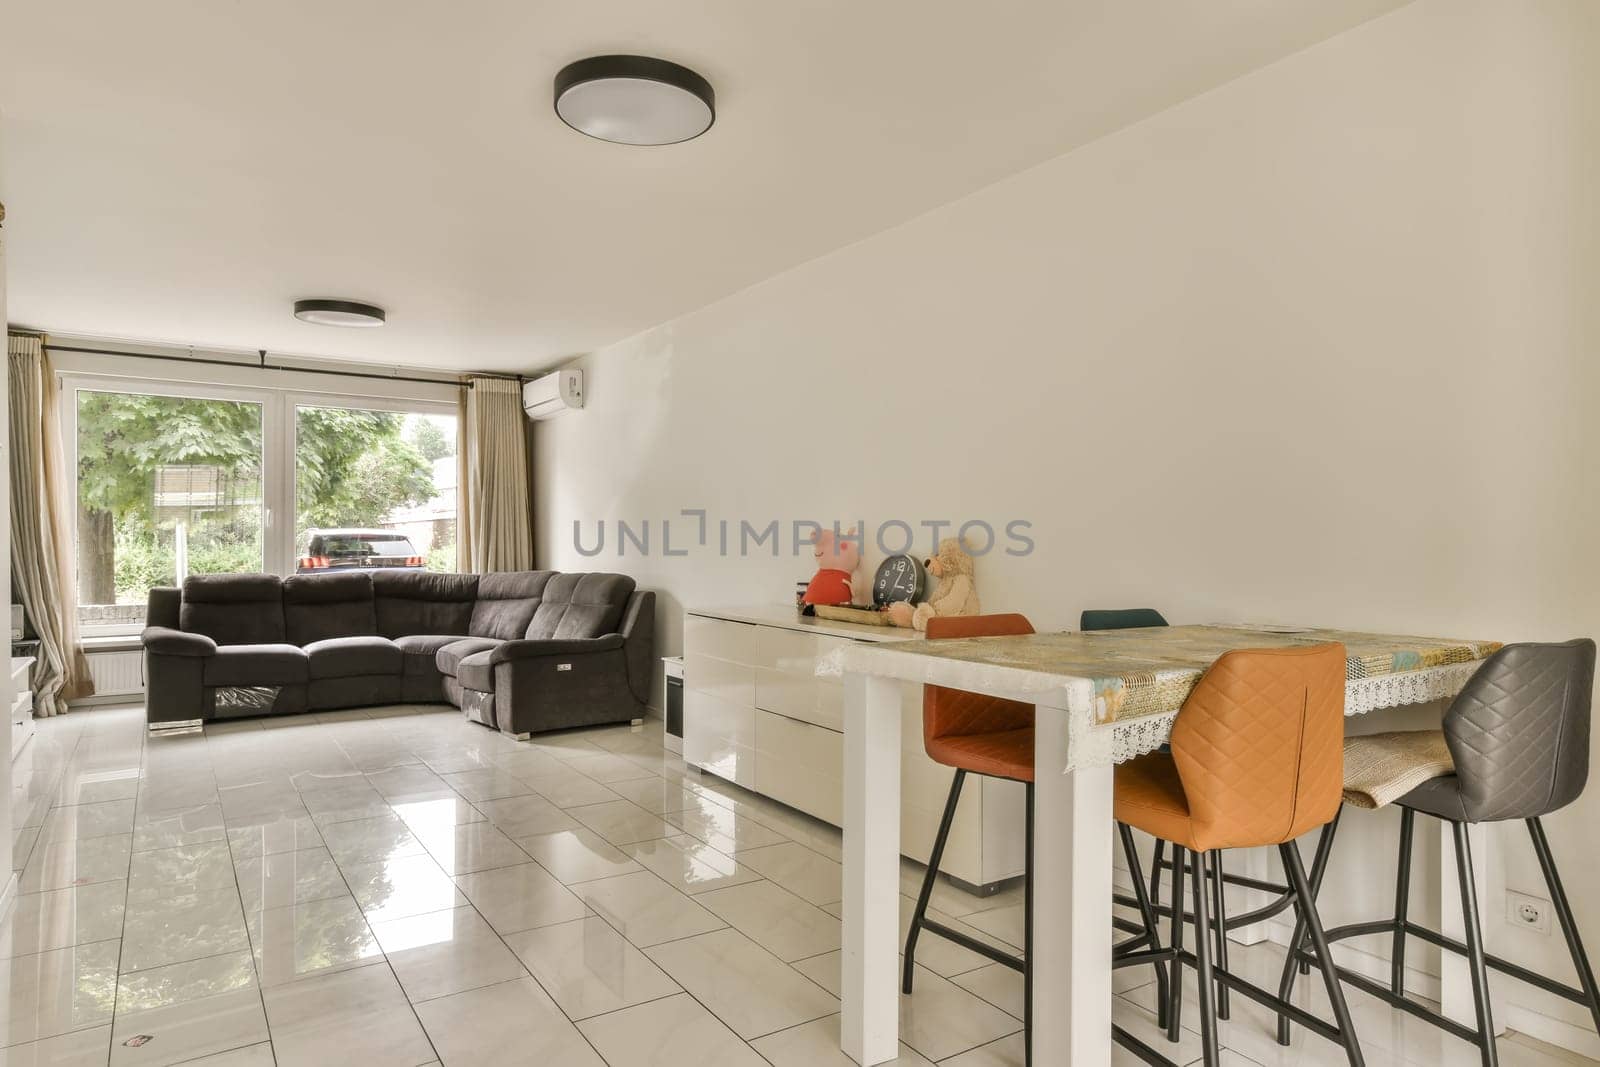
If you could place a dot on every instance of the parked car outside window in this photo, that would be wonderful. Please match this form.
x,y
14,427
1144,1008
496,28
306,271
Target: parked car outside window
x,y
341,550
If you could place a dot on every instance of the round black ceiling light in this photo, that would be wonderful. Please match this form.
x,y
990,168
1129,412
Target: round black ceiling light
x,y
338,313
634,100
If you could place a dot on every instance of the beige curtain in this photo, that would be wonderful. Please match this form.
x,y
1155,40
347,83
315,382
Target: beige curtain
x,y
42,577
495,523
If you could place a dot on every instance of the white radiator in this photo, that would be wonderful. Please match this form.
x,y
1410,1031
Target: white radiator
x,y
117,675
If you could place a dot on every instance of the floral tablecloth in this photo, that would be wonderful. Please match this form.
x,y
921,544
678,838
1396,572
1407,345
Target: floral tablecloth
x,y
1141,677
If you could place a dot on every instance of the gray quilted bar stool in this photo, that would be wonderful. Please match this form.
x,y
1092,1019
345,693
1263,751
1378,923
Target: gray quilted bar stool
x,y
1519,736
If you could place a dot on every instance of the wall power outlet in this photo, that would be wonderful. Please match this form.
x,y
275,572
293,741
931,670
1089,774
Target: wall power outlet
x,y
1528,912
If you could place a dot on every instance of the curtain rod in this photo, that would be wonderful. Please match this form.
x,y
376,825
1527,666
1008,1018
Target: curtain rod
x,y
262,364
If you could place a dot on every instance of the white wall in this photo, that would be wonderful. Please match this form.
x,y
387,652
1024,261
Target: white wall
x,y
1317,346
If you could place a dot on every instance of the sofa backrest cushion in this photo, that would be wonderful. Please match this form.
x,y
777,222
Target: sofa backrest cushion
x,y
422,602
581,605
506,603
164,607
319,606
234,609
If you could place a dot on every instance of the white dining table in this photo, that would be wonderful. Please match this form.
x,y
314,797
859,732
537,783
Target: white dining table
x,y
1100,698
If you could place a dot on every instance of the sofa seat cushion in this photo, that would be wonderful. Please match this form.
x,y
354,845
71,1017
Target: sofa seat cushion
x,y
349,657
450,656
477,672
257,665
421,652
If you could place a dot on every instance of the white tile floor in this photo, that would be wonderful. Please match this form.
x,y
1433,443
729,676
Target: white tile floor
x,y
399,887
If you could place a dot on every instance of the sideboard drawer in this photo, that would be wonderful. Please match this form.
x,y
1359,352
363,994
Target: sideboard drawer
x,y
801,765
735,641
786,651
720,736
733,682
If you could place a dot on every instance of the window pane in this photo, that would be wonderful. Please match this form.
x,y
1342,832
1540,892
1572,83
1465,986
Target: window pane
x,y
374,489
167,486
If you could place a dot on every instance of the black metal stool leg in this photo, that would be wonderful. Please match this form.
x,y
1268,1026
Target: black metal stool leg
x,y
1307,900
1027,932
1569,928
1402,898
1319,868
1155,873
1210,1051
1220,912
1147,913
921,914
1175,994
1474,939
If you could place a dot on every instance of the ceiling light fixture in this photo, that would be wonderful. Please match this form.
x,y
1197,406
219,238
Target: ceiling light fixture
x,y
338,313
634,100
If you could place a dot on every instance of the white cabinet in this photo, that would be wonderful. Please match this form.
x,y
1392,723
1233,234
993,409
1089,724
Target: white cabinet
x,y
21,703
755,713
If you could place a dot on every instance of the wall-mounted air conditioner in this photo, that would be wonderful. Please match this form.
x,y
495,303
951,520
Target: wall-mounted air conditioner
x,y
554,394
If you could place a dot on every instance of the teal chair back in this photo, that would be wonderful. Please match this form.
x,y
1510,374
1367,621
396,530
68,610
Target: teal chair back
x,y
1121,619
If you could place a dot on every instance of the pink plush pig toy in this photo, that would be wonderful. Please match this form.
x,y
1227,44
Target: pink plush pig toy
x,y
837,558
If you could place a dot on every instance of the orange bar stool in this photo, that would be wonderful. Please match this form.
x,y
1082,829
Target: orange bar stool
x,y
1256,759
981,735
993,736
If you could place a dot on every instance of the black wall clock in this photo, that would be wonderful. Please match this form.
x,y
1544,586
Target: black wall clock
x,y
899,578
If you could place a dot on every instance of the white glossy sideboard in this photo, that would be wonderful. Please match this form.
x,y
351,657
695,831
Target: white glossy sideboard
x,y
755,713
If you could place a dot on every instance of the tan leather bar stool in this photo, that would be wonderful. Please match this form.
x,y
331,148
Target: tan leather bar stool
x,y
1257,755
980,734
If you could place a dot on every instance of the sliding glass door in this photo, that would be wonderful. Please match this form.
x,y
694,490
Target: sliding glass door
x,y
166,486
374,487
173,480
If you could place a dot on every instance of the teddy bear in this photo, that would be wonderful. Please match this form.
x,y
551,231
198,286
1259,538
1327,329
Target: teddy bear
x,y
957,593
837,558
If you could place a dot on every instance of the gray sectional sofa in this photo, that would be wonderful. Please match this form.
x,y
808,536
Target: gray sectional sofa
x,y
522,652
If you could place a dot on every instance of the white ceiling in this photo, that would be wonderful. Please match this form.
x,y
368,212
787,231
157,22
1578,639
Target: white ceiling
x,y
182,170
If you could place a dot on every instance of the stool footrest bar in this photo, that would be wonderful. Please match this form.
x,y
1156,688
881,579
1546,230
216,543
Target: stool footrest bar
x,y
1433,937
1139,1048
972,944
1267,1000
1405,1004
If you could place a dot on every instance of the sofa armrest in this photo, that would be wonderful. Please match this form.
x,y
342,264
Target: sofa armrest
x,y
531,649
639,630
170,642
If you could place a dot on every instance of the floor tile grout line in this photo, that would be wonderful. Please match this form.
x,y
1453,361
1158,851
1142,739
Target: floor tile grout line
x,y
527,971
603,918
116,988
788,964
261,989
386,961
690,896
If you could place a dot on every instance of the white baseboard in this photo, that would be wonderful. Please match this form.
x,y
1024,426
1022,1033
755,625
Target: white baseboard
x,y
1553,1031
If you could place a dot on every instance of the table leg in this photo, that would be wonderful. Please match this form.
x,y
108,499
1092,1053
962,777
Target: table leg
x,y
1072,890
870,1008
